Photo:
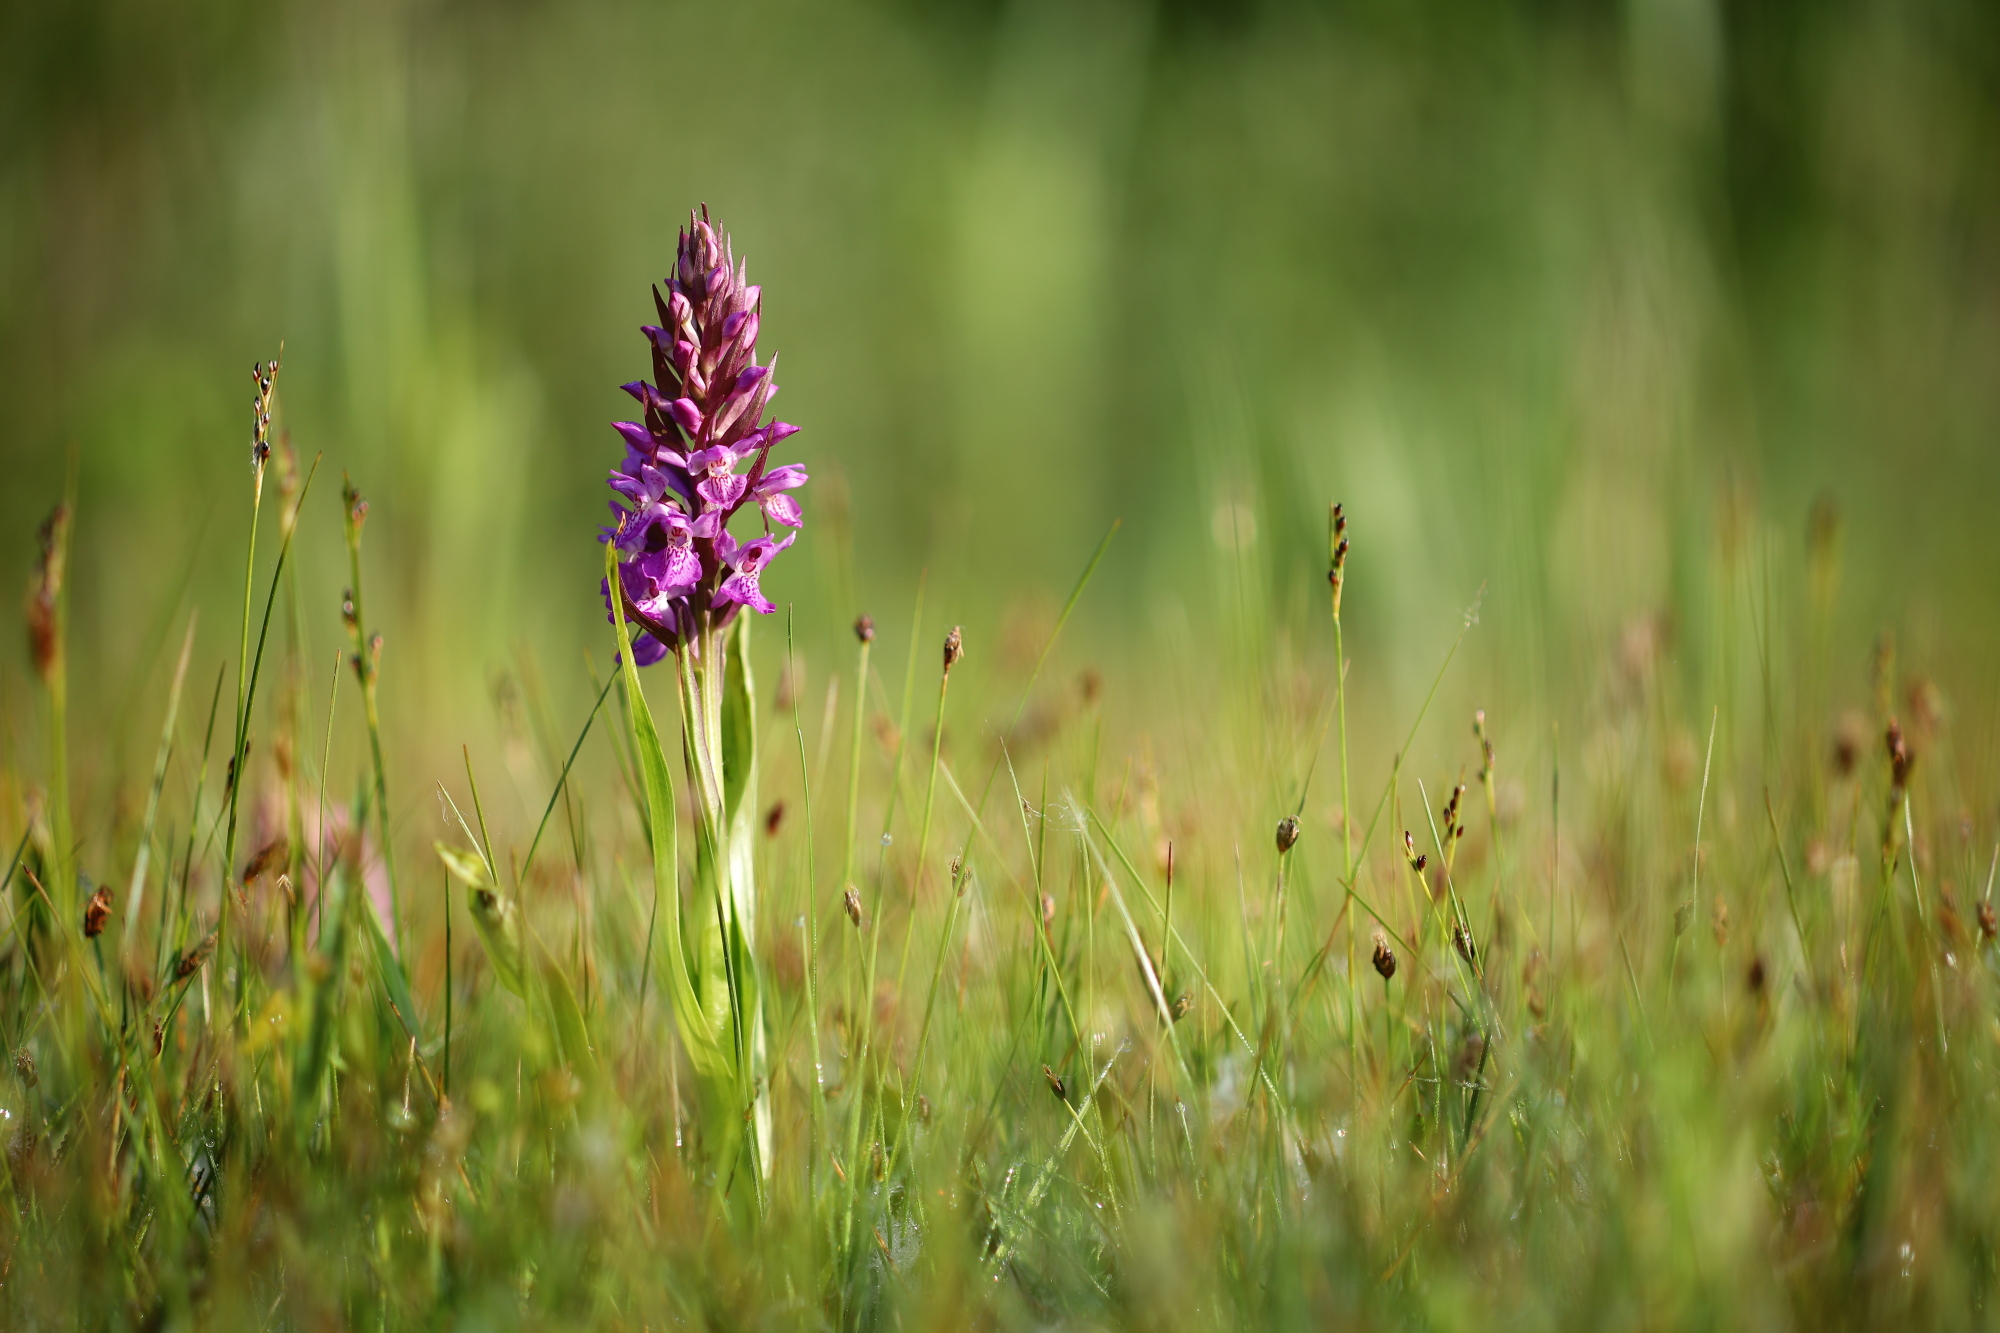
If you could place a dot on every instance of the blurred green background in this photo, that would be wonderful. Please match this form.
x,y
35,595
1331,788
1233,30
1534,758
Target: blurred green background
x,y
1586,303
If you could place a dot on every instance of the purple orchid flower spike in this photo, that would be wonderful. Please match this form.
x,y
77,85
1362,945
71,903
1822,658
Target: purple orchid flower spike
x,y
682,575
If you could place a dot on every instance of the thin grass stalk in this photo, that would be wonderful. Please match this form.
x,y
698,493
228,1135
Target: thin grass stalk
x,y
864,630
930,799
367,666
817,1110
49,635
319,818
259,457
135,896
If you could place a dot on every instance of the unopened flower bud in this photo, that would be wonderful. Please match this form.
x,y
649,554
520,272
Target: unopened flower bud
x,y
97,912
1900,758
1384,958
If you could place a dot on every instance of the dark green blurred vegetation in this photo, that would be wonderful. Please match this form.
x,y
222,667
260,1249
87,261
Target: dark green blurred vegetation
x,y
1586,303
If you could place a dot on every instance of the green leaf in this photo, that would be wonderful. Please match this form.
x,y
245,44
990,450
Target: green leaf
x,y
706,1041
566,1016
498,922
390,970
311,1067
739,727
465,867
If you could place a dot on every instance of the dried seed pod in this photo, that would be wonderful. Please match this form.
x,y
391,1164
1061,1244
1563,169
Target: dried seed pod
x,y
97,912
192,960
274,852
1384,958
1288,833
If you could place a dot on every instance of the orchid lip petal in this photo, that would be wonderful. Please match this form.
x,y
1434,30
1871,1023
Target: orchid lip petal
x,y
743,588
783,509
722,491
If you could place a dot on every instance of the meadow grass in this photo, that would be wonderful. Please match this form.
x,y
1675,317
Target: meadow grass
x,y
1555,1035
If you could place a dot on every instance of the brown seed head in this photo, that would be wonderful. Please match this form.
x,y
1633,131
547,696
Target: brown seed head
x,y
1989,924
97,912
1461,940
352,506
1384,958
1756,977
1336,555
851,901
1055,1084
1900,758
773,818
864,629
1288,833
274,852
24,1067
44,592
192,960
954,648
